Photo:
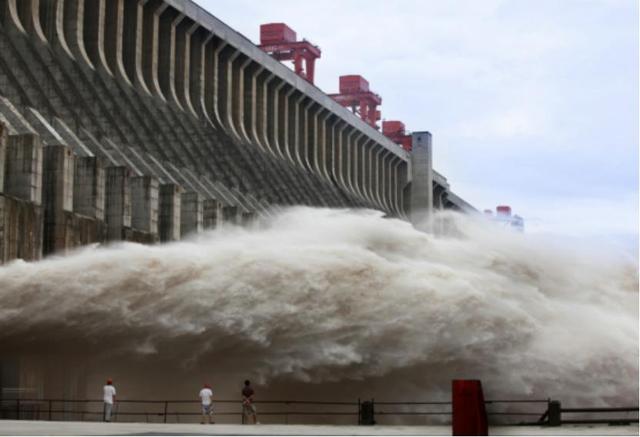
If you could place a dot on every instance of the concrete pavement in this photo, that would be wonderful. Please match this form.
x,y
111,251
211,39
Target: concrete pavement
x,y
26,427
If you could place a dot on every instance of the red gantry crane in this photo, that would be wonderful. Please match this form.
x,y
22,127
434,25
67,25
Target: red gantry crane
x,y
355,94
279,40
395,131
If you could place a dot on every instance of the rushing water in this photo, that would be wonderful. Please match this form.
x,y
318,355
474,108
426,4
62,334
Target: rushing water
x,y
347,300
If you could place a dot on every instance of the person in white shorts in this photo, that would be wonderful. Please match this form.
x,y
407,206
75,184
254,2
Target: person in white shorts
x,y
109,398
207,405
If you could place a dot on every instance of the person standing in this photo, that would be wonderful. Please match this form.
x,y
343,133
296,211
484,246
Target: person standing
x,y
248,408
109,398
207,405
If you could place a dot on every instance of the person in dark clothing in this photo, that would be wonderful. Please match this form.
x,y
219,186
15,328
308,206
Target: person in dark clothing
x,y
248,408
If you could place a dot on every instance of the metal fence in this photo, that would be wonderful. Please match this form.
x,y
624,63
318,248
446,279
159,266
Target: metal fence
x,y
610,416
504,412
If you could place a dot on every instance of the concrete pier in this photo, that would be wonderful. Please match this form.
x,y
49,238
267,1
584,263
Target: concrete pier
x,y
21,226
421,192
89,187
3,153
191,213
145,195
58,183
230,214
170,208
23,168
247,217
117,202
211,211
21,213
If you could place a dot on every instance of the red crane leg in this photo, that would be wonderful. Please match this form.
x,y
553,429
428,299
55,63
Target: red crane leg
x,y
363,109
310,68
297,63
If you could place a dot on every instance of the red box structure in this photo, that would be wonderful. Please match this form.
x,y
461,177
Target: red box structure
x,y
273,33
356,95
279,40
469,413
395,131
503,210
392,127
353,83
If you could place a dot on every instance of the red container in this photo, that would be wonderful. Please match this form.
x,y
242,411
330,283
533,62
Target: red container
x,y
274,33
352,84
503,210
393,127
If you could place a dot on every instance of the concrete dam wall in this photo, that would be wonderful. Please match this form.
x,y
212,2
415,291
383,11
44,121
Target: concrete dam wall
x,y
146,120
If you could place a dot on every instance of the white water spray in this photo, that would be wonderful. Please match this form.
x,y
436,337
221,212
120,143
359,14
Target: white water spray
x,y
341,298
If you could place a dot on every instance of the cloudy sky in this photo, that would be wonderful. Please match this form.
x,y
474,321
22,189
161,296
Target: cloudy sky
x,y
532,103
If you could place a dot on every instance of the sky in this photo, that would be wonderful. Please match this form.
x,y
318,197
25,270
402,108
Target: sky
x,y
531,103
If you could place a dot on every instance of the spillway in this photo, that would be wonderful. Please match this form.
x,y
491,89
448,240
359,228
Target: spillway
x,y
324,303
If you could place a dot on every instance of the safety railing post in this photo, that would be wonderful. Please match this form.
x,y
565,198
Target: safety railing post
x,y
359,413
17,409
373,411
50,410
555,413
166,408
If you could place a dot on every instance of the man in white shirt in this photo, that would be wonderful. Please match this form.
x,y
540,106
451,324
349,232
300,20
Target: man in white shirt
x,y
207,406
109,398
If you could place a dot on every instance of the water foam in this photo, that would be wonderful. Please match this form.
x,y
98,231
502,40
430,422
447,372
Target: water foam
x,y
335,296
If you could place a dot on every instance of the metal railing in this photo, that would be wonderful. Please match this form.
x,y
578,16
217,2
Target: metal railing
x,y
504,412
164,411
612,415
521,415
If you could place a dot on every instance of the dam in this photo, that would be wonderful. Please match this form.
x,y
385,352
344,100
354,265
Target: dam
x,y
148,120
295,255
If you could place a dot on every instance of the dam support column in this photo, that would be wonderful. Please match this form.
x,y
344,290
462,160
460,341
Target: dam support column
x,y
169,220
230,214
211,210
3,153
89,199
58,170
421,195
144,206
439,194
118,203
191,213
20,204
23,178
89,187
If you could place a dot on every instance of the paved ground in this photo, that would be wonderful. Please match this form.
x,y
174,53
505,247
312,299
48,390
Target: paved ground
x,y
25,427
